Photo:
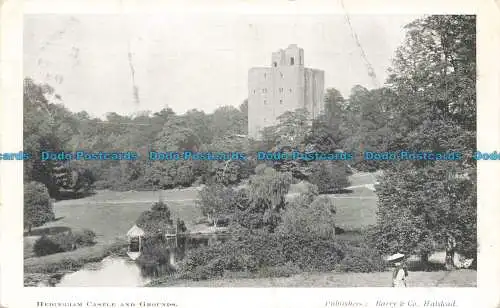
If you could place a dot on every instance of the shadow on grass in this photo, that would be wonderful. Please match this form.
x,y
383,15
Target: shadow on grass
x,y
70,195
418,266
337,192
344,191
47,231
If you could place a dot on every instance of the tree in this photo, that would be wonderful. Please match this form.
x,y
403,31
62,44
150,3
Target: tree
x,y
217,201
428,205
38,208
291,130
228,120
176,135
266,196
39,133
157,220
436,70
420,210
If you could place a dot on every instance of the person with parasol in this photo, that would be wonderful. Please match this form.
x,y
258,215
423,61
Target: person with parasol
x,y
400,271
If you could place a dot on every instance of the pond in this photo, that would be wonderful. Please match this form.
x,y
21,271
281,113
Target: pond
x,y
118,271
110,272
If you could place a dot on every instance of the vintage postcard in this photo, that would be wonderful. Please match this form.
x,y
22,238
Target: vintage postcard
x,y
250,154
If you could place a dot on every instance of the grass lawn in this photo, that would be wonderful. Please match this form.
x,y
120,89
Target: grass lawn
x,y
355,214
111,221
132,196
459,278
110,214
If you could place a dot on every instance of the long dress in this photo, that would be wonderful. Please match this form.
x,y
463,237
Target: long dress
x,y
399,278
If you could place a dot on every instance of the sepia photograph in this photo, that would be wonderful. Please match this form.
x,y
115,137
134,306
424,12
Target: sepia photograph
x,y
256,150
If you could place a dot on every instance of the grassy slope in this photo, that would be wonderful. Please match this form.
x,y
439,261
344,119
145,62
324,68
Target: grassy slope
x,y
111,214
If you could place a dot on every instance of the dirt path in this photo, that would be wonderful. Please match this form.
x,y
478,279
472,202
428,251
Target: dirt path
x,y
459,278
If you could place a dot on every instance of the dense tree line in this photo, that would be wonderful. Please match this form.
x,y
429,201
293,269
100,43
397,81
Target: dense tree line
x,y
49,126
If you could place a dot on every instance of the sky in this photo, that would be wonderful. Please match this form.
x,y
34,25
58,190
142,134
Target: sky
x,y
195,61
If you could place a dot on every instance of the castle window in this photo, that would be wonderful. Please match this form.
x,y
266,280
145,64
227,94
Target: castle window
x,y
281,101
264,90
292,61
275,64
281,75
281,90
254,91
290,90
265,75
265,102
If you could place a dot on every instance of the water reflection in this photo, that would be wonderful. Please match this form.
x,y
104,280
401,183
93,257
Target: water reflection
x,y
158,258
110,272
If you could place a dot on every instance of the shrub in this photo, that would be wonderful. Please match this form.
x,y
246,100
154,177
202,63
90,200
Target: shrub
x,y
310,253
201,221
66,241
361,260
45,246
38,207
157,219
261,253
62,242
317,219
329,176
84,238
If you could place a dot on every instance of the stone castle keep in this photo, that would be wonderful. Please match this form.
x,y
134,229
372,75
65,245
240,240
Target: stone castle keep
x,y
284,86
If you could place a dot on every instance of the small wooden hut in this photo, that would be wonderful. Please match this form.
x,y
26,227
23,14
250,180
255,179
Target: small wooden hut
x,y
135,235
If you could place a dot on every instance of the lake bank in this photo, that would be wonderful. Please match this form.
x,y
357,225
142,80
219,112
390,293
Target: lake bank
x,y
41,269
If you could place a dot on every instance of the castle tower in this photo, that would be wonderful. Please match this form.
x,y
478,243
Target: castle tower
x,y
284,86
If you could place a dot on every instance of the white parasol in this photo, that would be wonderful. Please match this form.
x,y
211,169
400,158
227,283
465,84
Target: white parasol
x,y
396,257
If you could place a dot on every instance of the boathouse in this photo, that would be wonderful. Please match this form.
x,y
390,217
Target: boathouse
x,y
135,236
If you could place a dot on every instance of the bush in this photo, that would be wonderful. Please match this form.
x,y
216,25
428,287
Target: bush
x,y
310,253
84,238
261,253
38,207
329,176
66,241
62,242
361,260
201,221
317,218
45,246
